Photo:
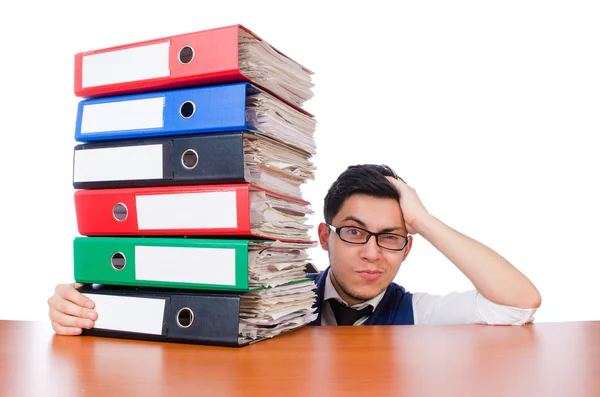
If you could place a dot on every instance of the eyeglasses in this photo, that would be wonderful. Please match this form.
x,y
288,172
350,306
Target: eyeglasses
x,y
357,235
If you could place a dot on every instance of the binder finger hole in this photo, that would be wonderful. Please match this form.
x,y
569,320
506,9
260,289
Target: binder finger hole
x,y
189,159
185,317
117,260
120,212
186,54
187,109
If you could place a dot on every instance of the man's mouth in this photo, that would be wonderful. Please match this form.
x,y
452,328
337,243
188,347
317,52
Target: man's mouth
x,y
369,274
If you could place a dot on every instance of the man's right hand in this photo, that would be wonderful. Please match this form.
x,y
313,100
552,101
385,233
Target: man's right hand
x,y
70,310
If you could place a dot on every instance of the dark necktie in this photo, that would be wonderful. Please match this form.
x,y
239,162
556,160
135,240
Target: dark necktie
x,y
345,315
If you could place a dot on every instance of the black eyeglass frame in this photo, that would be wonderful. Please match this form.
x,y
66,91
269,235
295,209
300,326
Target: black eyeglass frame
x,y
337,230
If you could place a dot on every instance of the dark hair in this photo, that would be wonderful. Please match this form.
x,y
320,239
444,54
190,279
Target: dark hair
x,y
366,179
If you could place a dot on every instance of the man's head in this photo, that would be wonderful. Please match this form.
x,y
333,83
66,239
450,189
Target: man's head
x,y
363,198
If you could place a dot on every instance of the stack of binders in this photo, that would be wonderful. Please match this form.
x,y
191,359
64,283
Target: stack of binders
x,y
191,154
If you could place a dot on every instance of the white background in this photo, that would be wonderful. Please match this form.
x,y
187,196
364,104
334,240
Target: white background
x,y
489,109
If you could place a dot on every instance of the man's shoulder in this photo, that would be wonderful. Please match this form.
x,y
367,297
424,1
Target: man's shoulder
x,y
399,288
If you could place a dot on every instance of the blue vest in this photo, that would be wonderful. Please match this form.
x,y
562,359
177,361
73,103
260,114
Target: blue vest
x,y
395,307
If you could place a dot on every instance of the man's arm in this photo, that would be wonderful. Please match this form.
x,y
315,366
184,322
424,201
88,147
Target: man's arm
x,y
468,307
493,276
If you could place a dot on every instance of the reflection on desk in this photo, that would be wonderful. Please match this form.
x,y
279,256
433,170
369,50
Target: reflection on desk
x,y
547,359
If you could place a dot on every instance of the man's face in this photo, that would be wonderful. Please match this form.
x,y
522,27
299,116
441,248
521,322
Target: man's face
x,y
360,272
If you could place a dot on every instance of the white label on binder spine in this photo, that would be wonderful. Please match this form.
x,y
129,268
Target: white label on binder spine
x,y
129,313
197,265
118,163
130,64
205,210
123,115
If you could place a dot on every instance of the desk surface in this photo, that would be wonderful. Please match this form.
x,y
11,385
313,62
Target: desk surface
x,y
547,359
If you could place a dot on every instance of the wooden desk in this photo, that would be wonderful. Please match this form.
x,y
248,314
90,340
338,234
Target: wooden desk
x,y
554,359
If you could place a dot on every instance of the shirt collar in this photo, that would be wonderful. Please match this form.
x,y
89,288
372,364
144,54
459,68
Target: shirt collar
x,y
330,292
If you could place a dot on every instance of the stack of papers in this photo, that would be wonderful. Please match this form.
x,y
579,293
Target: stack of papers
x,y
273,70
269,312
279,217
276,166
277,120
275,263
285,296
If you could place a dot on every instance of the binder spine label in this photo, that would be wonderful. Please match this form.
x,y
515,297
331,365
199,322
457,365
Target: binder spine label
x,y
205,210
123,115
121,66
129,313
186,265
119,163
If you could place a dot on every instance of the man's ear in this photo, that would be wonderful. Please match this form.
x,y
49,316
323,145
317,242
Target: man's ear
x,y
323,235
408,247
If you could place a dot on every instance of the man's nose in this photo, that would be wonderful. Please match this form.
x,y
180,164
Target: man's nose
x,y
371,251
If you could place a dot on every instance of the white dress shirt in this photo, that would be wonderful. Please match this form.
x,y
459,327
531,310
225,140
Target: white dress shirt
x,y
469,307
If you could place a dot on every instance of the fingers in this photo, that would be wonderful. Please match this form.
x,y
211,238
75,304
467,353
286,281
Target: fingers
x,y
396,182
403,187
70,301
70,308
70,311
61,330
67,320
69,292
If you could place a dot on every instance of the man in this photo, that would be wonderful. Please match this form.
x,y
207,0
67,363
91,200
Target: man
x,y
370,215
